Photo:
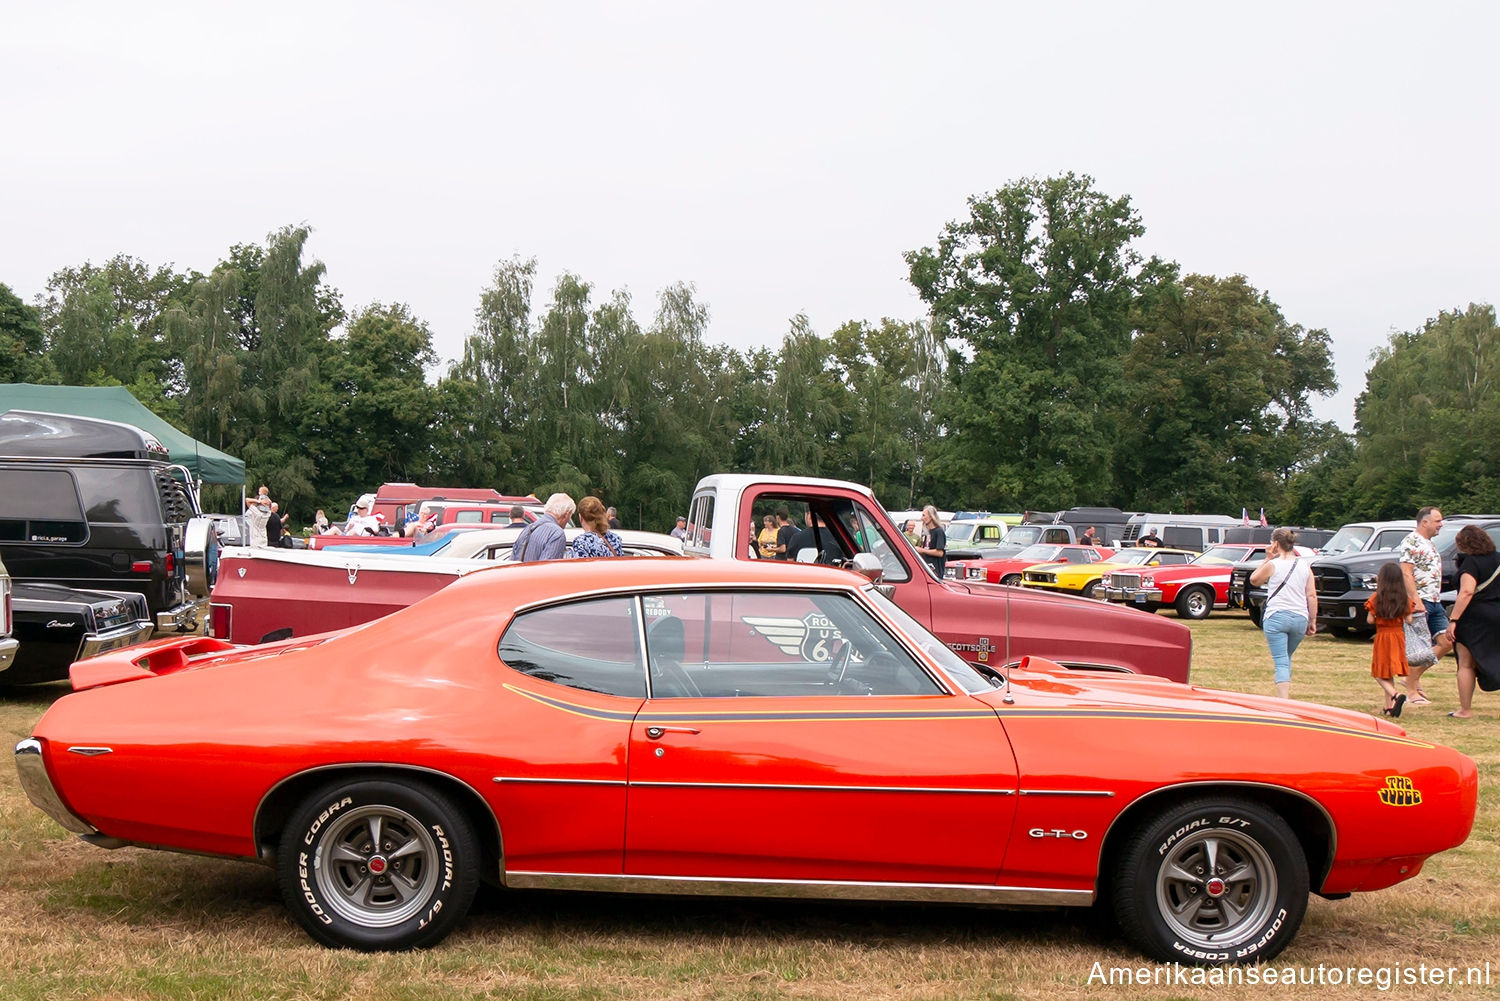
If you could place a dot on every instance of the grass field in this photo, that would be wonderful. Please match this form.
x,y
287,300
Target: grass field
x,y
81,922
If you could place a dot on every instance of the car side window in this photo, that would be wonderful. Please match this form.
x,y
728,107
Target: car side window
x,y
1390,538
758,644
1056,536
589,645
41,505
1169,559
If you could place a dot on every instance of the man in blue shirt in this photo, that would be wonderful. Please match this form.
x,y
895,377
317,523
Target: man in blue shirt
x,y
543,539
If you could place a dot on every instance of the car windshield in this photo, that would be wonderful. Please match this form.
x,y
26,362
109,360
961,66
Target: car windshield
x,y
1040,554
1024,535
1349,539
952,664
1222,554
1134,557
961,531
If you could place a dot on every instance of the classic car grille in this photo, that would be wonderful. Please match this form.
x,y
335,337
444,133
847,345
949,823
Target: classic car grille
x,y
1118,579
1330,580
1039,578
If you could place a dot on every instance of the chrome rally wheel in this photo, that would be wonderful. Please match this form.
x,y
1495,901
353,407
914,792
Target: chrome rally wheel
x,y
378,864
1210,881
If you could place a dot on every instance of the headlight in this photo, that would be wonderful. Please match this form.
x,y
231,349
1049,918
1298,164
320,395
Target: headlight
x,y
1365,581
976,573
1105,581
1146,581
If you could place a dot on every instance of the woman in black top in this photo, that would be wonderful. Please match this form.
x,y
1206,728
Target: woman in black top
x,y
1475,622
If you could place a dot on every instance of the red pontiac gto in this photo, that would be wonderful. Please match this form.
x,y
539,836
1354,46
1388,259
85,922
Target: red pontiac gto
x,y
739,728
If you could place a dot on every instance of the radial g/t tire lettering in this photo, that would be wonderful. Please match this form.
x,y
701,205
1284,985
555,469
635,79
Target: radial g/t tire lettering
x,y
378,865
1211,881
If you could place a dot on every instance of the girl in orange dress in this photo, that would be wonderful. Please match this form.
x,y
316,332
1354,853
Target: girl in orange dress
x,y
1387,610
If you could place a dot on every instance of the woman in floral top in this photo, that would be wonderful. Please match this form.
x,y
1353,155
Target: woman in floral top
x,y
596,539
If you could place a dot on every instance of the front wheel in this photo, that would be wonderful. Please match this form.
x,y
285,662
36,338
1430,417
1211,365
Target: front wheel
x,y
1256,614
1194,603
1013,579
1211,881
378,864
1091,590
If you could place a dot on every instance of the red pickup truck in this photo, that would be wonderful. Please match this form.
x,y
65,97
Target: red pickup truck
x,y
985,623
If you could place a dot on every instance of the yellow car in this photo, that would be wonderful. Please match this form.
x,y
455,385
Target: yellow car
x,y
1083,578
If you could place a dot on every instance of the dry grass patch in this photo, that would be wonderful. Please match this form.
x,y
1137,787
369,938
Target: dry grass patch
x,y
79,922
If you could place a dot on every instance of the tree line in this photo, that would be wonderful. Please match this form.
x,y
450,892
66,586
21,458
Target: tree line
x,y
1055,366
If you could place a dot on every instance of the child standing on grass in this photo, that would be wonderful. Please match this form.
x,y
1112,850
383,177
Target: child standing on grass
x,y
1387,610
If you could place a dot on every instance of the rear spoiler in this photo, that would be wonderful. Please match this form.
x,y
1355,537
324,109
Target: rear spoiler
x,y
150,660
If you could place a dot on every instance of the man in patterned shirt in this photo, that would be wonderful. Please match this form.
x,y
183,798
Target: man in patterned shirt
x,y
1422,566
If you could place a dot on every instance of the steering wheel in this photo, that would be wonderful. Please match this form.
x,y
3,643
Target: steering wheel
x,y
838,664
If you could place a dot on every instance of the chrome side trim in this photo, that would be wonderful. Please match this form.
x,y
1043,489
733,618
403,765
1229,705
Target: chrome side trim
x,y
559,782
964,893
90,751
798,787
1066,792
39,789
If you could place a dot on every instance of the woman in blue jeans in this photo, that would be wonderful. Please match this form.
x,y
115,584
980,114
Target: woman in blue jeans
x,y
1291,610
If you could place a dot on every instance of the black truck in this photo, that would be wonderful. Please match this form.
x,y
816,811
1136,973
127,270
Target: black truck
x,y
97,505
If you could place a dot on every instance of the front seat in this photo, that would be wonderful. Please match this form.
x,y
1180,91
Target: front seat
x,y
666,646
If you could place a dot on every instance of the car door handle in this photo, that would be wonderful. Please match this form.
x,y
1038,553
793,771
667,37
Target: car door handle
x,y
657,732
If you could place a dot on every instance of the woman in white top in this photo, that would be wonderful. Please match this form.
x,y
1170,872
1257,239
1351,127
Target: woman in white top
x,y
1291,610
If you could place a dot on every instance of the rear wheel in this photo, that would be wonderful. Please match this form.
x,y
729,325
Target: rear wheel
x,y
1211,881
1255,615
378,864
1194,602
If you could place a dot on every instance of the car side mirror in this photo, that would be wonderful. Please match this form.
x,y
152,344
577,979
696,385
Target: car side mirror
x,y
868,565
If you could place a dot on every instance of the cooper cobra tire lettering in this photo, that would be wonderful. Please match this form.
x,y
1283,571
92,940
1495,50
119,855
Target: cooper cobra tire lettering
x,y
346,883
1210,881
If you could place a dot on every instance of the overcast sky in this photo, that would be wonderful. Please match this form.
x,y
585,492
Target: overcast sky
x,y
780,157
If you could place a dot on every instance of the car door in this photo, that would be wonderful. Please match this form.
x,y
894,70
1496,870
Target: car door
x,y
561,803
791,736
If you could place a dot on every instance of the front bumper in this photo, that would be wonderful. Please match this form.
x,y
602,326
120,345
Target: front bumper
x,y
1347,609
40,790
8,646
1134,595
187,617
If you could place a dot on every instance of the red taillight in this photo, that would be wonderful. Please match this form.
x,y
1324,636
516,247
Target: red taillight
x,y
171,563
141,566
218,621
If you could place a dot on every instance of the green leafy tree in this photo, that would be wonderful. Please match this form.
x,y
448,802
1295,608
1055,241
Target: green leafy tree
x,y
1034,289
23,343
1426,422
1215,414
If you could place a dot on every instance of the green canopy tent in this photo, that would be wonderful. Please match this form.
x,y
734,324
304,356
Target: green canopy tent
x,y
114,403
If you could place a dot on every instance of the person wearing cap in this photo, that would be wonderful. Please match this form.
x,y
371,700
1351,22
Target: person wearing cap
x,y
363,523
680,532
257,514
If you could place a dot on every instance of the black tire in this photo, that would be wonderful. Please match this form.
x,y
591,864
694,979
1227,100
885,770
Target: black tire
x,y
1256,614
427,872
1171,910
1091,590
1194,602
1013,579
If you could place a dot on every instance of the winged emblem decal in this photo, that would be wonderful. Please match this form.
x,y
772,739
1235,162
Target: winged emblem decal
x,y
785,634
